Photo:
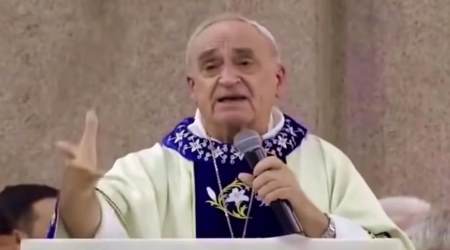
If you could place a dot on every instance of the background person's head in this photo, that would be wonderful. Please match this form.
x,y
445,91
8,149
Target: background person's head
x,y
406,211
9,239
29,208
234,74
5,224
433,233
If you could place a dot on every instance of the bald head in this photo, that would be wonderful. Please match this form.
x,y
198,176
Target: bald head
x,y
263,31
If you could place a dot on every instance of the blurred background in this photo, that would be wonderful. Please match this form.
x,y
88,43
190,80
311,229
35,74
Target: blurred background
x,y
372,77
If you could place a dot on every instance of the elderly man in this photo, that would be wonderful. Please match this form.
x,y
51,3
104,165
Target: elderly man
x,y
195,183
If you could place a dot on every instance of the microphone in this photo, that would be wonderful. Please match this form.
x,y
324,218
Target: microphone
x,y
249,142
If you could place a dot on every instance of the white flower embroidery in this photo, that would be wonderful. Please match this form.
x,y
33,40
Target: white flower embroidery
x,y
237,196
235,155
179,136
234,192
282,142
195,146
291,131
189,144
211,193
217,152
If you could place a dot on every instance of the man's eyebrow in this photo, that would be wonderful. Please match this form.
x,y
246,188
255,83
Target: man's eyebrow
x,y
207,54
244,52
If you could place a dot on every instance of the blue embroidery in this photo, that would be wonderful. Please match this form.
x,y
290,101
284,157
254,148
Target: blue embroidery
x,y
194,147
210,202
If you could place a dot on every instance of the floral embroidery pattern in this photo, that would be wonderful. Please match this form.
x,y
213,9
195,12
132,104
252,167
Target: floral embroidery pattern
x,y
237,196
233,199
194,147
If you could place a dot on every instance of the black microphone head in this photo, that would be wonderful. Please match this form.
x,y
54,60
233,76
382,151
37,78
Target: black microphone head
x,y
247,140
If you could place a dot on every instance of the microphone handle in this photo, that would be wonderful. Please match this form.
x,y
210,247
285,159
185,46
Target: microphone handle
x,y
286,217
281,208
253,157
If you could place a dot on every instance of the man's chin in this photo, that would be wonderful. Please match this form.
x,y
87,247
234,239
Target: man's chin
x,y
236,121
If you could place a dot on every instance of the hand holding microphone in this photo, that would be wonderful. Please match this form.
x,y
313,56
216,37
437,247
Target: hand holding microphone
x,y
277,185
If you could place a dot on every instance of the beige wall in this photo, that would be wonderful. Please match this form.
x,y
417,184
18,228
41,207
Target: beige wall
x,y
370,76
397,95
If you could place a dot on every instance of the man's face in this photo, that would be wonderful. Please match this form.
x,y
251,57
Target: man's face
x,y
42,216
233,75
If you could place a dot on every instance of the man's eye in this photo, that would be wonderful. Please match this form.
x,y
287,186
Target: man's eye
x,y
209,67
245,62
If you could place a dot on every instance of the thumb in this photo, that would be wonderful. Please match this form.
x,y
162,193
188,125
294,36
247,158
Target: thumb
x,y
67,148
246,178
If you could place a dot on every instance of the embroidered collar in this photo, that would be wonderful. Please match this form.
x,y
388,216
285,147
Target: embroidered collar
x,y
196,148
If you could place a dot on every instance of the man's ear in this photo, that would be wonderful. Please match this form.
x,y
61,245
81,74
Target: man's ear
x,y
281,81
19,235
191,84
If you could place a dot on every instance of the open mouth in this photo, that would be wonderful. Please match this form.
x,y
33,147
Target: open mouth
x,y
231,98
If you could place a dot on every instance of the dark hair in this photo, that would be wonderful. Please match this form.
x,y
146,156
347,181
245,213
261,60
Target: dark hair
x,y
16,203
5,224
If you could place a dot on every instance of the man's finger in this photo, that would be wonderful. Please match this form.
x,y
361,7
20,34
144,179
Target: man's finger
x,y
265,178
89,138
268,188
268,163
246,178
67,148
277,194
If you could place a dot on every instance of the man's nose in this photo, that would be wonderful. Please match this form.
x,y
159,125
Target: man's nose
x,y
229,76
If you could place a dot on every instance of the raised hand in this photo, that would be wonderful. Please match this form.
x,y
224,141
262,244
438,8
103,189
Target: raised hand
x,y
81,158
79,206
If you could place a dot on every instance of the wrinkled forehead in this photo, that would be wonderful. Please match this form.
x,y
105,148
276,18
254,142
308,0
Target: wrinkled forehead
x,y
232,36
